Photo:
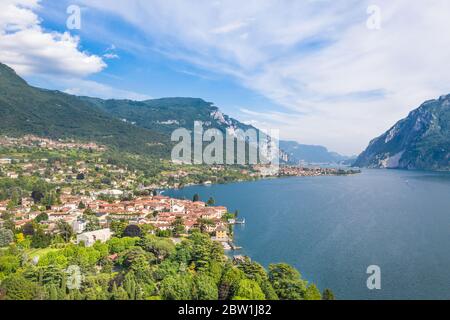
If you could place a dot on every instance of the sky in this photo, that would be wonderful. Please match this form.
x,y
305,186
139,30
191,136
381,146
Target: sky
x,y
336,73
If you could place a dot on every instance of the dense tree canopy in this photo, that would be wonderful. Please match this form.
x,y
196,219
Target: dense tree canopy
x,y
142,268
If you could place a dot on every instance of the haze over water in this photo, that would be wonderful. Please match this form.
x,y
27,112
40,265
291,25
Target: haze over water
x,y
333,228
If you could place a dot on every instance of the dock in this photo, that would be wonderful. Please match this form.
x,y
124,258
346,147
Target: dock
x,y
233,246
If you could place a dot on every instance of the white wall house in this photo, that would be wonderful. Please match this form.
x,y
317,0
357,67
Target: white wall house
x,y
79,226
89,238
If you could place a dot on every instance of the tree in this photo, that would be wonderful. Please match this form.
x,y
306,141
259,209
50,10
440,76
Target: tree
x,y
196,198
211,201
161,248
52,292
93,223
80,176
118,227
204,288
16,287
132,231
41,217
6,237
177,287
50,199
118,293
312,293
287,282
65,230
328,295
133,256
255,271
229,283
9,264
40,239
249,290
37,196
129,284
81,205
178,227
28,229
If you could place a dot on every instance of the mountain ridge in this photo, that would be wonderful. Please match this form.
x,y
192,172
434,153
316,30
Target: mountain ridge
x,y
25,109
420,141
311,154
136,126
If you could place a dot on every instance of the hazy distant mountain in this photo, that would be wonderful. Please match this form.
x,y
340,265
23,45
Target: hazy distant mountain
x,y
310,154
420,141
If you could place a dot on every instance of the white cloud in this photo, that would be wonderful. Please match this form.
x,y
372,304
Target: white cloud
x,y
343,83
231,27
95,89
110,53
52,58
29,49
110,56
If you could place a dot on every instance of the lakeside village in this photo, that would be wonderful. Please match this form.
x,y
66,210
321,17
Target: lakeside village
x,y
76,186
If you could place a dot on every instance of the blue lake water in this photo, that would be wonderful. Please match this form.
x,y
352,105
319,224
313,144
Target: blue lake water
x,y
333,228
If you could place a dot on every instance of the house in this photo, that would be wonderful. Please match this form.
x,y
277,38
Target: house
x,y
79,226
5,161
89,238
221,234
4,205
174,207
12,175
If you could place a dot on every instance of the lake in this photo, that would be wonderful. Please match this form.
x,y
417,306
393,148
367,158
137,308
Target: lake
x,y
332,228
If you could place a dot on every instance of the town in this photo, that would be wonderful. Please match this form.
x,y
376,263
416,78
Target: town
x,y
157,214
70,206
46,181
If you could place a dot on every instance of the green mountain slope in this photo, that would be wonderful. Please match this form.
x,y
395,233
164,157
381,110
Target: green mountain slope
x,y
28,110
167,114
420,141
136,126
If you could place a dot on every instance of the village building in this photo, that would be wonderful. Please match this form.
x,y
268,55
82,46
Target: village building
x,y
89,238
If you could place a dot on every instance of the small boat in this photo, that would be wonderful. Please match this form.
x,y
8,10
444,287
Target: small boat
x,y
240,221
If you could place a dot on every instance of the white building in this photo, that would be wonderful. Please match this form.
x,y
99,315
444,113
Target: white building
x,y
5,161
174,207
89,238
79,226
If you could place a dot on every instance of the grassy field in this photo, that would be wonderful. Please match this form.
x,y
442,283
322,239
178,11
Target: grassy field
x,y
39,252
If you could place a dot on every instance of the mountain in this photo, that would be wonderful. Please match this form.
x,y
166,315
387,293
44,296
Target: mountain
x,y
28,110
310,154
420,141
142,127
167,114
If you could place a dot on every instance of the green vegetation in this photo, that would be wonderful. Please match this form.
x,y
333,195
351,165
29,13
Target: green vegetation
x,y
41,173
144,268
39,258
28,110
